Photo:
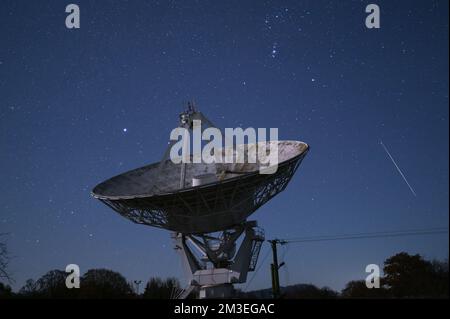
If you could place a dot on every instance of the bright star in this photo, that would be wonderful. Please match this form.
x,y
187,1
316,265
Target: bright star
x,y
274,50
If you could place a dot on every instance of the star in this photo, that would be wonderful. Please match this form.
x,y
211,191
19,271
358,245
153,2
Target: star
x,y
274,51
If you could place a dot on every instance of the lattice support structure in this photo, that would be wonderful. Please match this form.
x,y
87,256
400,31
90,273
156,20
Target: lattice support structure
x,y
212,263
207,209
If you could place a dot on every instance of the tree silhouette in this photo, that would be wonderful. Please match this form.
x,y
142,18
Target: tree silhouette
x,y
408,276
104,283
159,289
405,276
440,278
5,291
50,285
29,290
358,289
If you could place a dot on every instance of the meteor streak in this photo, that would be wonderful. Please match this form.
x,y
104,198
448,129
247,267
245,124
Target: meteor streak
x,y
398,169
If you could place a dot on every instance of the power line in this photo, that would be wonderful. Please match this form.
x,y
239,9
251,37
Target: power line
x,y
274,242
383,234
398,233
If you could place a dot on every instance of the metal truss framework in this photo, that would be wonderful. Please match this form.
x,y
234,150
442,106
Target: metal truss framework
x,y
211,262
208,209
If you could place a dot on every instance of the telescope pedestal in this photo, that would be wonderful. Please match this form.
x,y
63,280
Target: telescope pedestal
x,y
211,262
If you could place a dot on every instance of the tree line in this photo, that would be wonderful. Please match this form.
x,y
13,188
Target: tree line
x,y
405,276
95,284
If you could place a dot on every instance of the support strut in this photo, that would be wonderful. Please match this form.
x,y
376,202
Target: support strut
x,y
211,262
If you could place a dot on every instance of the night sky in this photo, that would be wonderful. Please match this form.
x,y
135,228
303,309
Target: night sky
x,y
81,105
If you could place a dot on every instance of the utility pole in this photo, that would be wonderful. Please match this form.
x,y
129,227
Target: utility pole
x,y
274,267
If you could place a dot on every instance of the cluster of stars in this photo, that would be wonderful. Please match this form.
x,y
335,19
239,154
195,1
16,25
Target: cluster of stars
x,y
274,51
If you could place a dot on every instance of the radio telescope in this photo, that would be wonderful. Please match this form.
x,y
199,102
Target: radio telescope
x,y
205,206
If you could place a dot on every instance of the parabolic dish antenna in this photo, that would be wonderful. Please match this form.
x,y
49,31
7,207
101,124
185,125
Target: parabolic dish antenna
x,y
195,200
